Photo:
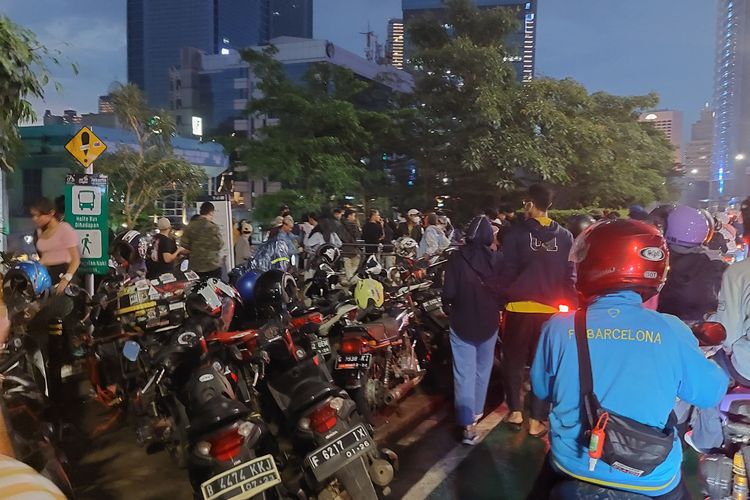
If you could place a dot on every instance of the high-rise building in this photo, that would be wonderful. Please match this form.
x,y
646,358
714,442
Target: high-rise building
x,y
521,45
396,43
291,18
697,171
730,174
670,123
106,105
158,29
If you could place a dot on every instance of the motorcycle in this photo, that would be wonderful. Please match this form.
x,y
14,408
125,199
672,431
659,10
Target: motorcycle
x,y
316,419
380,361
191,401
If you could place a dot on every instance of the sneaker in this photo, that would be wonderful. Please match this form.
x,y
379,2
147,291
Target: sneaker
x,y
689,440
471,436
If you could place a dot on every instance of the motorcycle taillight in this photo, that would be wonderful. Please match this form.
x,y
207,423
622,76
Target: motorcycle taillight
x,y
226,445
351,345
323,419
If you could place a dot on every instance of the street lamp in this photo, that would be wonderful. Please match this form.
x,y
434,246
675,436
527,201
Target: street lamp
x,y
694,171
740,157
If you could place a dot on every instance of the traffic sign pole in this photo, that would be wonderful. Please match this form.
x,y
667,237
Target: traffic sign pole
x,y
89,277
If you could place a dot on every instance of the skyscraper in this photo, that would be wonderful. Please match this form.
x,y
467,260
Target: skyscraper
x,y
698,158
670,123
521,45
396,43
159,29
291,18
730,174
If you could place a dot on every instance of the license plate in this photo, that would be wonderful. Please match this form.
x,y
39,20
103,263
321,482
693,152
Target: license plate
x,y
321,346
353,361
329,458
432,304
244,481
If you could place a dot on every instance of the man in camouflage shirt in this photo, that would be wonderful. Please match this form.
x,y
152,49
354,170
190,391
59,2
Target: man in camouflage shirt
x,y
202,238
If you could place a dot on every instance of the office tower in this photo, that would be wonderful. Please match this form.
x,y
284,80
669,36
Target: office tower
x,y
158,29
106,105
396,43
670,123
291,18
730,176
698,150
521,45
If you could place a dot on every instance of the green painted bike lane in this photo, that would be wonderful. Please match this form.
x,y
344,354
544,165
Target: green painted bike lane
x,y
505,464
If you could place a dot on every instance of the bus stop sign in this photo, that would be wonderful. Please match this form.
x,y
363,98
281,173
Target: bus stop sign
x,y
87,210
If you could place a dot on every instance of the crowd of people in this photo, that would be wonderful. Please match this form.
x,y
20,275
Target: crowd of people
x,y
518,276
635,282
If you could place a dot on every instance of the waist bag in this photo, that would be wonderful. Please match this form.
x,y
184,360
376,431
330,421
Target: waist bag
x,y
628,446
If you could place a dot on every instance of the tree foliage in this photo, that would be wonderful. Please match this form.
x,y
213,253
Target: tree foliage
x,y
477,133
23,74
325,133
140,176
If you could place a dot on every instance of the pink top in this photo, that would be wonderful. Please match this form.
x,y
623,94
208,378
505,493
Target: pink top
x,y
55,249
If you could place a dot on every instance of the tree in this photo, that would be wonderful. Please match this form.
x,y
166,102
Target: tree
x,y
326,137
140,176
23,74
477,133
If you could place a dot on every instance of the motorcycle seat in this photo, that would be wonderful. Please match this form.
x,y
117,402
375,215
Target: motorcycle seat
x,y
307,393
383,330
215,413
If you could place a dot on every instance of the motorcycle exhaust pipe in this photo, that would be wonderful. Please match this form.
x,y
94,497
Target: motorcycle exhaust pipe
x,y
397,393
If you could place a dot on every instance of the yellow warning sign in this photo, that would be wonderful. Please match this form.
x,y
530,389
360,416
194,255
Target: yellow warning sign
x,y
85,146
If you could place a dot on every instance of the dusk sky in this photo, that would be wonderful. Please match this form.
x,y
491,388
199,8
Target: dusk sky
x,y
622,47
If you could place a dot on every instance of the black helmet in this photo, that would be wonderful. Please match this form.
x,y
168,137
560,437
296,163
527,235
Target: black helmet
x,y
578,223
658,217
212,298
275,291
328,254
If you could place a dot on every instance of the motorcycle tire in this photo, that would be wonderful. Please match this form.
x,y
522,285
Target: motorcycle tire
x,y
356,480
359,396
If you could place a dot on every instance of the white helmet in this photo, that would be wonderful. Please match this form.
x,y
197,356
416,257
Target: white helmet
x,y
406,247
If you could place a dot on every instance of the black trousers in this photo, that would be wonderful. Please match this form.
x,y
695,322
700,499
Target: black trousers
x,y
520,337
552,485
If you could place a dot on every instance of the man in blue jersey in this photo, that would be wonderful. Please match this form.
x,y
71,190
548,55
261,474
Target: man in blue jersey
x,y
642,361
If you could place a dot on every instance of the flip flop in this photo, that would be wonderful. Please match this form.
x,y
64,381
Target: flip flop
x,y
516,426
541,433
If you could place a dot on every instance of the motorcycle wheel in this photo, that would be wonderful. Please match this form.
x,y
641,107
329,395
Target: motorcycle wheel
x,y
356,481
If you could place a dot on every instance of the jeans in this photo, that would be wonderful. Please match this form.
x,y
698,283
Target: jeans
x,y
472,366
521,333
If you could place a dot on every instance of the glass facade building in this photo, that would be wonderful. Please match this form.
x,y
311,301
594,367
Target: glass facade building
x,y
159,29
291,18
730,166
522,44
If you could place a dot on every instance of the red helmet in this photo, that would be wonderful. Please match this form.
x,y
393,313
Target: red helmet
x,y
622,254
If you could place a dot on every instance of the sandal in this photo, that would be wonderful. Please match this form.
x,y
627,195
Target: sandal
x,y
540,434
516,426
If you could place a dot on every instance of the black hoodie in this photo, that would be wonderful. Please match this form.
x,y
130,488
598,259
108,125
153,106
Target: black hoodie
x,y
536,266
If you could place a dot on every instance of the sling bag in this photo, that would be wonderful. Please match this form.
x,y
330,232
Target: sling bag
x,y
629,446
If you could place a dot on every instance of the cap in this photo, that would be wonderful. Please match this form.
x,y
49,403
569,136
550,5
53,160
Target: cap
x,y
163,224
412,212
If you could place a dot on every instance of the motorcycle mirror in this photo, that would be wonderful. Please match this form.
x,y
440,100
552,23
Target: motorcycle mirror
x,y
709,333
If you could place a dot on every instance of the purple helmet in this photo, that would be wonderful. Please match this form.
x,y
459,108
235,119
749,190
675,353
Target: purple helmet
x,y
687,227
